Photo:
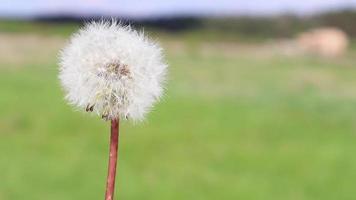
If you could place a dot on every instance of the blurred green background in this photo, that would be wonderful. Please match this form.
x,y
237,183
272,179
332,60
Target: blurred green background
x,y
241,119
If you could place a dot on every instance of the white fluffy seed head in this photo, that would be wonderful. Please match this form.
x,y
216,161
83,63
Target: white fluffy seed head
x,y
112,70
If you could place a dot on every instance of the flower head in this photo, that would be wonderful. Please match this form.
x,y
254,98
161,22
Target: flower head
x,y
112,70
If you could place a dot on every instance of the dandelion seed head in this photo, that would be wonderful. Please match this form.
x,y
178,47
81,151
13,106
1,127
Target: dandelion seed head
x,y
112,70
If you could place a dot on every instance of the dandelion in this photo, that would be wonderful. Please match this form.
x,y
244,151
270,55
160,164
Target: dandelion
x,y
115,72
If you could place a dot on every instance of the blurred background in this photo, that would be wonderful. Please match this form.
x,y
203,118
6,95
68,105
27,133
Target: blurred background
x,y
260,103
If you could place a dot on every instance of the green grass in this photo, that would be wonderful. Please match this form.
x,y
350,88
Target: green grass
x,y
43,28
231,126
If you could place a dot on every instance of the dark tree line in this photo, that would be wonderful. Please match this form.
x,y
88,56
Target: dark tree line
x,y
273,26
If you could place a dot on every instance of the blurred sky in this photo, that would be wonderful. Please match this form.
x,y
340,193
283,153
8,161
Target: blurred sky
x,y
147,8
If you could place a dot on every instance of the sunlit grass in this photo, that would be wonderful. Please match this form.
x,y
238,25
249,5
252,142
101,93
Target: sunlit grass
x,y
233,125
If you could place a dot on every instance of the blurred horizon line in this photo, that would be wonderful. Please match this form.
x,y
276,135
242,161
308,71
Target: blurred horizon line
x,y
70,16
20,9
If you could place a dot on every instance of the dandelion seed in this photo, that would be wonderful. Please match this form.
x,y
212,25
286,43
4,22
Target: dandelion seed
x,y
113,67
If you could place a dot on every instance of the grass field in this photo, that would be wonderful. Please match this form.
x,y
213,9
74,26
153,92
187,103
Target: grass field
x,y
238,122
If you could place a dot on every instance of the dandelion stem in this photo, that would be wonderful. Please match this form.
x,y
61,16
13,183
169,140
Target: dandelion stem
x,y
114,143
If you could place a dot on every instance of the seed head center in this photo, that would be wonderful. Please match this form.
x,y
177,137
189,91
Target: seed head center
x,y
114,70
118,69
